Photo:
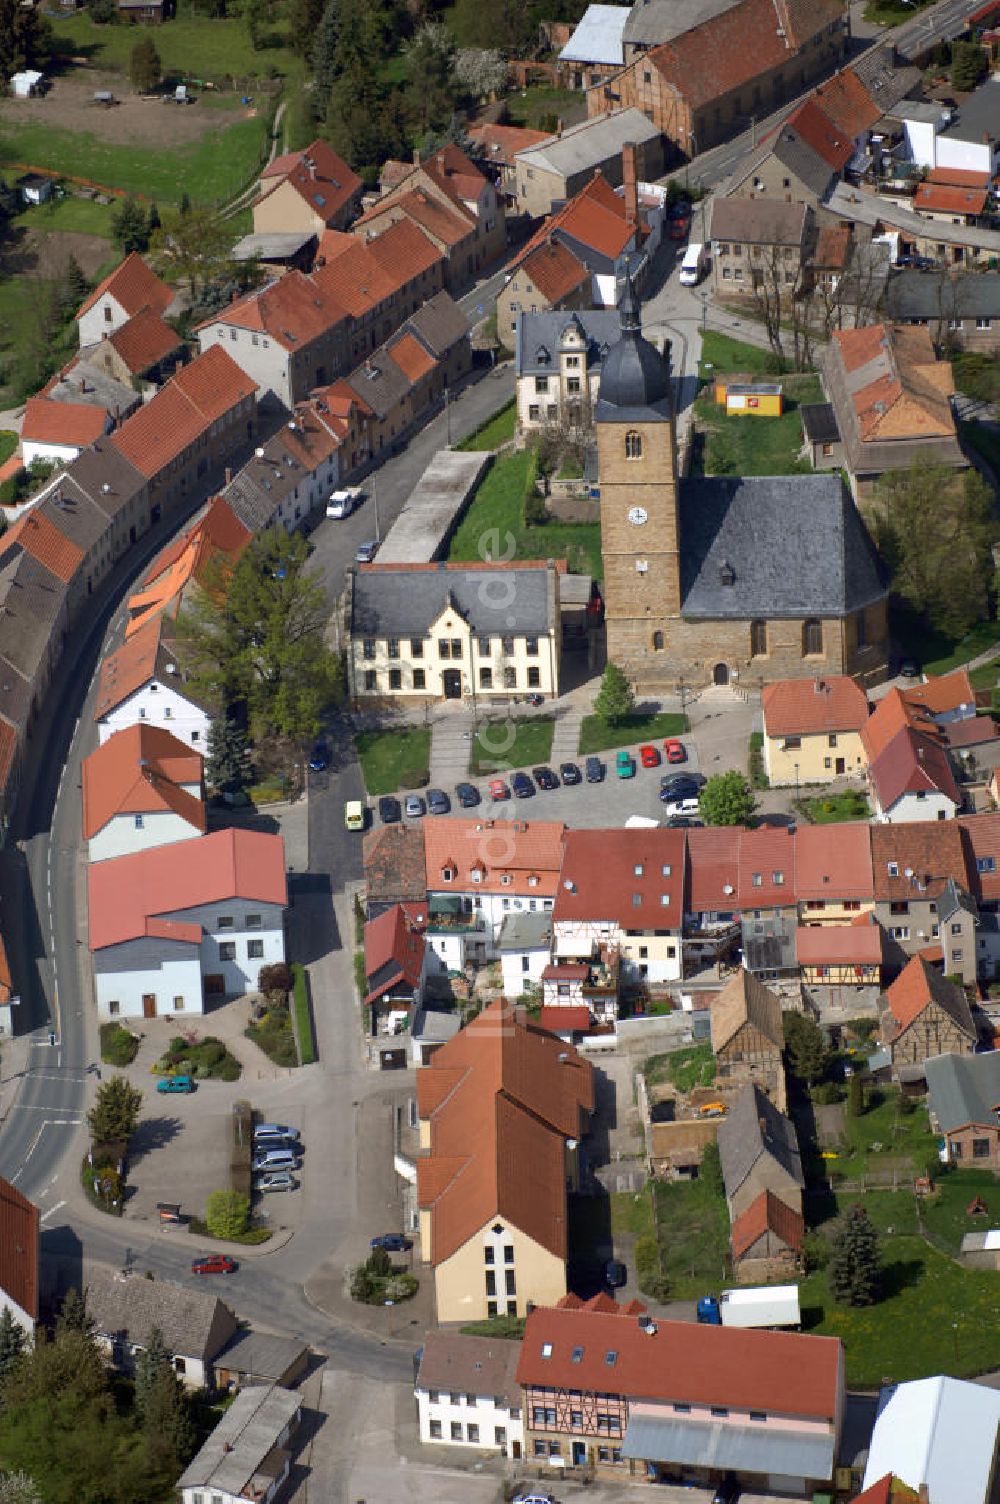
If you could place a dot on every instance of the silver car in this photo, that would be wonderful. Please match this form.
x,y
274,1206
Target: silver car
x,y
276,1180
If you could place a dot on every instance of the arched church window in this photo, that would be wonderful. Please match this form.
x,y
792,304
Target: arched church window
x,y
658,642
812,637
758,639
633,445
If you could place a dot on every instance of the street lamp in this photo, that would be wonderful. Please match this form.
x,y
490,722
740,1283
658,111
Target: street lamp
x,y
796,783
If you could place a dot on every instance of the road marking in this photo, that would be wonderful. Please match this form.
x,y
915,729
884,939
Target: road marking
x,y
51,1211
49,1123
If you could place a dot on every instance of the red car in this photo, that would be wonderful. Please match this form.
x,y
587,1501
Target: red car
x,y
498,790
648,756
674,750
214,1263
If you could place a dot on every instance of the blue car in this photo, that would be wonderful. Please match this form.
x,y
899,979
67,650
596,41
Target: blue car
x,y
319,757
522,786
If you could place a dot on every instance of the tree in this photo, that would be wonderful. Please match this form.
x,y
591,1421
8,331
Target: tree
x,y
263,645
227,766
969,64
856,1095
855,1268
25,38
192,244
430,76
615,699
130,227
149,1361
806,1048
153,218
727,799
167,1422
325,42
304,19
255,14
227,1213
935,532
184,207
115,1113
74,285
18,1488
481,71
73,1314
12,1342
144,66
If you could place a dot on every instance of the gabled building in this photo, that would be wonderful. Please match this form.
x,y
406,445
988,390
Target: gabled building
x,y
912,865
798,164
19,1249
892,399
964,1102
766,1241
247,1458
395,868
431,631
379,281
494,151
947,697
812,729
923,1014
143,681
557,169
909,773
759,1151
503,1107
167,931
940,1437
123,293
608,1388
395,967
290,476
747,1035
557,366
757,243
57,431
200,557
311,190
842,955
491,868
954,307
141,788
549,275
467,1393
145,349
194,1324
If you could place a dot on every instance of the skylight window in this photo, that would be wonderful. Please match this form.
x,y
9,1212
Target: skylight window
x,y
546,1349
611,1357
577,1355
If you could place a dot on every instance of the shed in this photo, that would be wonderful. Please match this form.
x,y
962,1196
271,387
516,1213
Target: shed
x,y
753,400
35,189
24,85
981,1250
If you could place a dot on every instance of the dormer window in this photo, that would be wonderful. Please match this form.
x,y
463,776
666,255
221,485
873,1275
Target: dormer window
x,y
476,874
542,356
505,879
447,874
727,574
533,880
638,869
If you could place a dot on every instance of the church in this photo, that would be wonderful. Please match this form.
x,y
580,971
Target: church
x,y
723,579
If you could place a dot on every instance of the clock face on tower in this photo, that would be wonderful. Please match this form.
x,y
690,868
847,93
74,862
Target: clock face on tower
x,y
637,516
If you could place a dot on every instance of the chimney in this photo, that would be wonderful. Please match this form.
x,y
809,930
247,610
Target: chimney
x,y
923,1494
416,156
629,179
229,475
559,130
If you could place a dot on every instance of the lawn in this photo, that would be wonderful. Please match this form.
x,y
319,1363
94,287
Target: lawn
x,y
686,1069
597,735
8,443
274,1035
985,441
754,446
81,215
632,1214
828,809
393,760
693,1226
190,46
303,1017
498,509
20,334
495,431
539,106
899,1126
986,676
510,744
944,1215
985,634
720,352
210,170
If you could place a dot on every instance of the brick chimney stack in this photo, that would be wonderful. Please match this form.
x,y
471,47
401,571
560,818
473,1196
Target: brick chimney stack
x,y
630,181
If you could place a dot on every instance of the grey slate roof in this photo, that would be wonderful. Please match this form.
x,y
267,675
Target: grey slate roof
x,y
107,476
404,602
754,1127
263,1356
938,295
239,1446
434,1025
431,512
72,511
978,116
538,335
470,1365
819,422
654,21
871,209
31,601
588,144
885,79
15,694
439,324
136,1305
272,245
964,1089
525,931
807,165
91,384
796,546
758,221
380,383
598,36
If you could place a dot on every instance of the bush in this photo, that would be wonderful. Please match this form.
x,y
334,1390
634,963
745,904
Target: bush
x,y
827,1093
815,1252
401,1287
229,1070
227,1214
119,1046
275,978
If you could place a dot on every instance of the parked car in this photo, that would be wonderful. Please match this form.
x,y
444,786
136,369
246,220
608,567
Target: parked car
x,y
274,1130
392,1242
389,810
682,783
545,778
569,772
366,552
319,757
683,822
648,756
595,770
533,1496
676,807
176,1083
909,668
355,815
498,790
438,802
674,750
273,1159
342,503
414,806
615,1274
522,786
276,1180
467,795
214,1263
625,764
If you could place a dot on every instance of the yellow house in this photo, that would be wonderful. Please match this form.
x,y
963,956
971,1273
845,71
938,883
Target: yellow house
x,y
453,631
503,1106
812,729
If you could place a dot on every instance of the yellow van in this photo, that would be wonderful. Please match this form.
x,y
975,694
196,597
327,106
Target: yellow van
x,y
354,814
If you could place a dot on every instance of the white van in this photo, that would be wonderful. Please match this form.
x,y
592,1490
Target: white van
x,y
342,503
694,265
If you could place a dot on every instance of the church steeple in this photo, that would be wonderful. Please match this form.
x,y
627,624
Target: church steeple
x,y
635,377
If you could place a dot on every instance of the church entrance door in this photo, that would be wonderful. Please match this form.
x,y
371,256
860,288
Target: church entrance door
x,y
720,674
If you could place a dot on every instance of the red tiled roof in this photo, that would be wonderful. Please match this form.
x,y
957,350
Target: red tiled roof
x,y
595,217
930,850
893,713
912,763
624,876
47,422
566,971
846,102
804,707
887,1490
783,1373
292,310
133,286
128,668
326,187
517,849
145,340
403,251
958,177
833,862
19,1248
839,944
196,397
766,867
140,770
443,221
128,891
572,1020
39,536
410,356
918,985
819,133
8,751
502,1097
943,693
981,834
767,1214
555,271
500,143
907,391
713,860
390,940
945,199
